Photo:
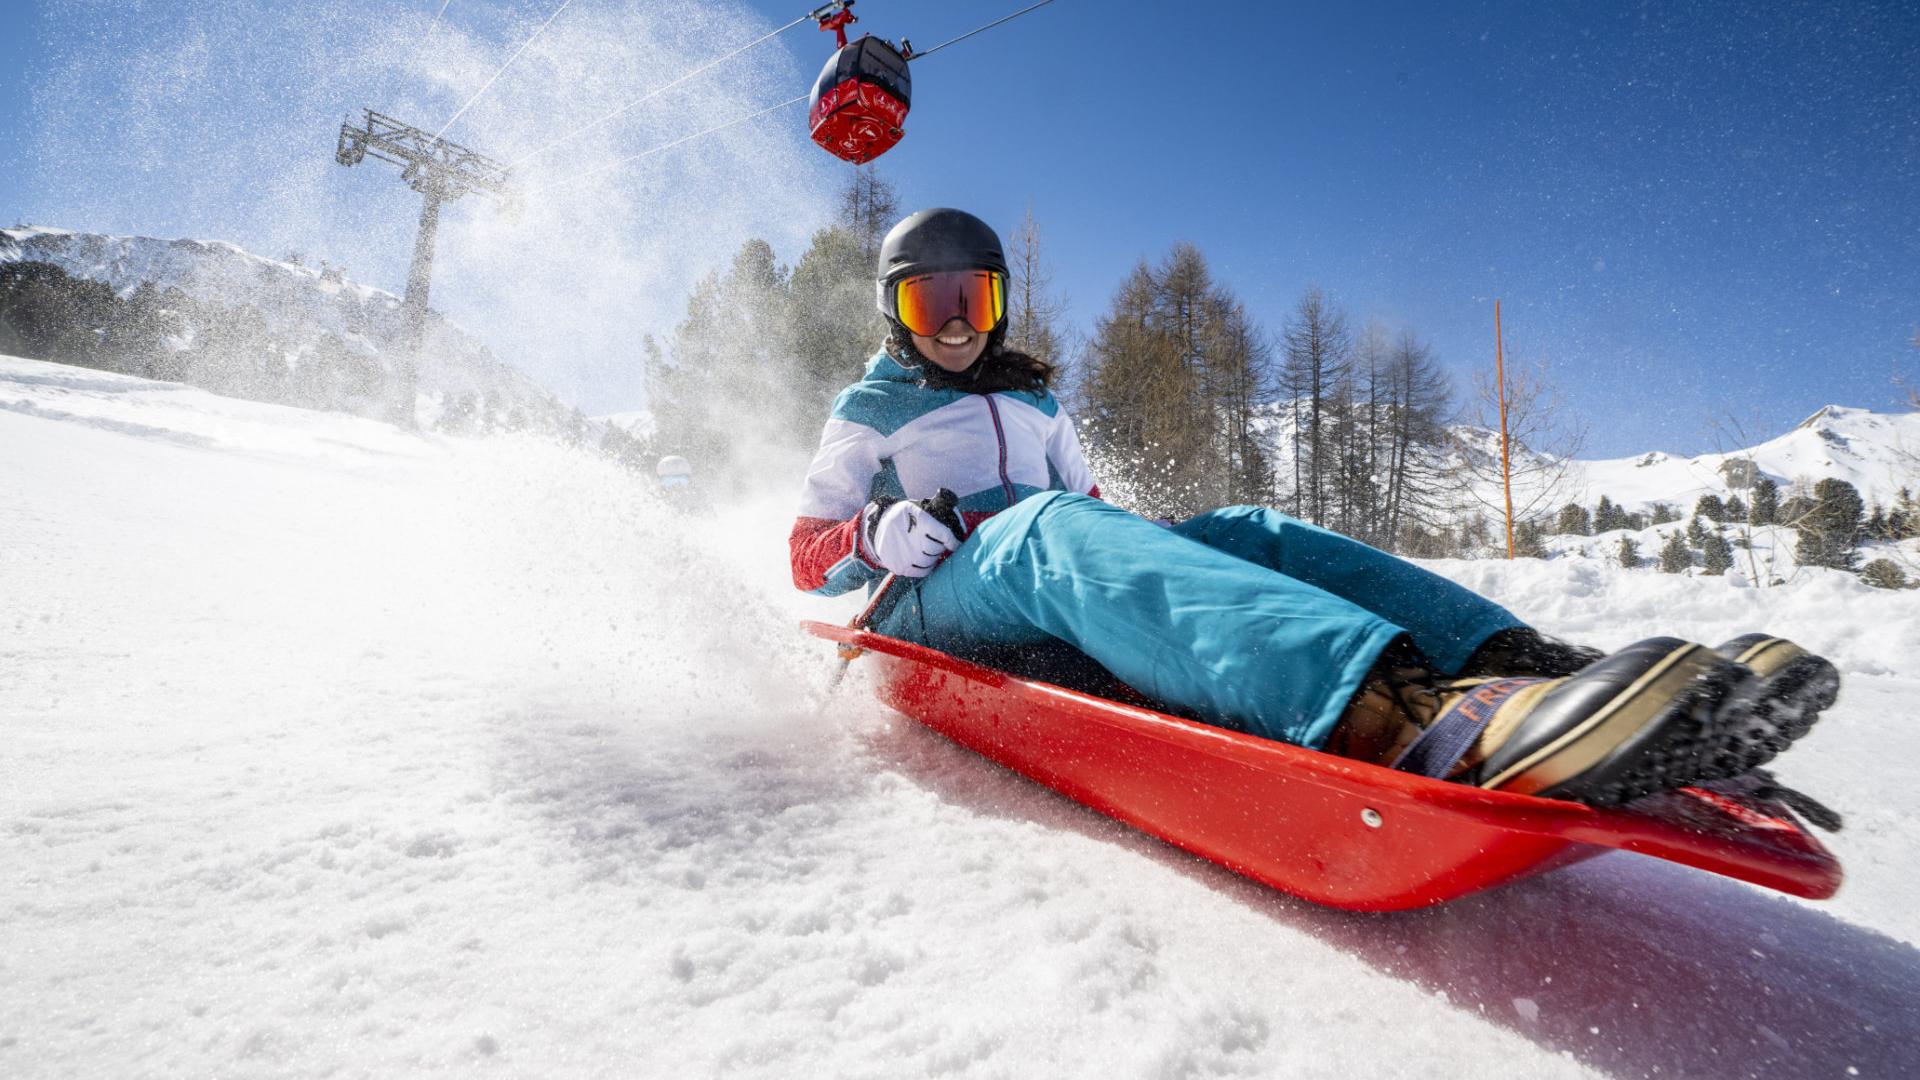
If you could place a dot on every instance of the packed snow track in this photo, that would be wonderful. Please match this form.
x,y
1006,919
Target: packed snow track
x,y
333,750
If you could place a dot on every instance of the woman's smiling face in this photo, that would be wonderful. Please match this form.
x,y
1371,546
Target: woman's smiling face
x,y
955,347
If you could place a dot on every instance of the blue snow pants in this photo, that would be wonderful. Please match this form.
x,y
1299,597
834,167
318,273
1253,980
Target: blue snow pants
x,y
1243,617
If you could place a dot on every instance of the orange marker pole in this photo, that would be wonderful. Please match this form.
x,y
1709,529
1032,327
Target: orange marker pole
x,y
1500,376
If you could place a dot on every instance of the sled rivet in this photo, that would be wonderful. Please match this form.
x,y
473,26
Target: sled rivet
x,y
1371,818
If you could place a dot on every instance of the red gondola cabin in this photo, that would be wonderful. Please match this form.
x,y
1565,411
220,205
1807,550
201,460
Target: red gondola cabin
x,y
859,103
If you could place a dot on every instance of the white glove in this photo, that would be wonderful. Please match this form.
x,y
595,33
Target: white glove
x,y
904,538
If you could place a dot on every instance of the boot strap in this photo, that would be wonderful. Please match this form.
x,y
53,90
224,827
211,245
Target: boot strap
x,y
1441,746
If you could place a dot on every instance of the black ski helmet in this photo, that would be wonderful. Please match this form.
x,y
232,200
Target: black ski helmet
x,y
939,239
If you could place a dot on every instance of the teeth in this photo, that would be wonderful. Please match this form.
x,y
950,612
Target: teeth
x,y
953,340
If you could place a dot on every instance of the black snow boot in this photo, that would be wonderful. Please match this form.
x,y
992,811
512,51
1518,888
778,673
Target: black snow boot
x,y
1522,650
1638,722
1795,687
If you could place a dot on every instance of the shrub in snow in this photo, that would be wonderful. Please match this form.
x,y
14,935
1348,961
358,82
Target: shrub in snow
x,y
1573,521
1739,472
1628,553
1884,574
1675,555
1716,555
1528,543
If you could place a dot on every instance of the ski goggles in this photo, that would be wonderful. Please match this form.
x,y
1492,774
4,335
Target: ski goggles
x,y
926,302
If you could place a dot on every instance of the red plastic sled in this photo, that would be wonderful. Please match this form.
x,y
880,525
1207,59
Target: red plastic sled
x,y
1327,829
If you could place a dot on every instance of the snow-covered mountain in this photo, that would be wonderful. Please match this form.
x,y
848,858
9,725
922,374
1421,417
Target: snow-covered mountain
x,y
1878,453
309,311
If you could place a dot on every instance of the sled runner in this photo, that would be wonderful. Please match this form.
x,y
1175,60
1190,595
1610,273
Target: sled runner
x,y
1332,830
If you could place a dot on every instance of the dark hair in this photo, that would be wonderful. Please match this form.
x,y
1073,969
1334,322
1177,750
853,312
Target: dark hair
x,y
998,369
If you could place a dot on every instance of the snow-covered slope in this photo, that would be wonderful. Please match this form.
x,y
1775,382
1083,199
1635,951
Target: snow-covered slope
x,y
1878,453
300,304
332,750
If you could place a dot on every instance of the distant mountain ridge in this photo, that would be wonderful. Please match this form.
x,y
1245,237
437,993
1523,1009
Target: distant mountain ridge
x,y
1878,453
303,308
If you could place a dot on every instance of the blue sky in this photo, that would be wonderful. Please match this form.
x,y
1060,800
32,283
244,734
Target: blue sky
x,y
1688,210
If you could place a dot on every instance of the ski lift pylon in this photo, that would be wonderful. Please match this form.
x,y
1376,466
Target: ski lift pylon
x,y
858,107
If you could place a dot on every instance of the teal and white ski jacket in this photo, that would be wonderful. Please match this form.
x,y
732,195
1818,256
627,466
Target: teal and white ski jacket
x,y
890,436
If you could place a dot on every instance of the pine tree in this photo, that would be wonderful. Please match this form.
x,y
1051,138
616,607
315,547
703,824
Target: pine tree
x,y
831,322
45,314
1573,521
1696,530
1628,553
1766,502
1609,516
1709,506
1675,556
1736,511
1664,514
732,355
1528,543
1716,555
1903,521
1830,529
1877,527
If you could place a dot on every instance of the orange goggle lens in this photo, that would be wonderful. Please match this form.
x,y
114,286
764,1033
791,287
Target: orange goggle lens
x,y
928,302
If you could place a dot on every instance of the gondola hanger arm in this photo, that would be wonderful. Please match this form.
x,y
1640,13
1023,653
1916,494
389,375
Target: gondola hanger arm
x,y
836,16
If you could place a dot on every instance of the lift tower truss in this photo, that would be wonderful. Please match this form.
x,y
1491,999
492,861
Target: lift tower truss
x,y
440,171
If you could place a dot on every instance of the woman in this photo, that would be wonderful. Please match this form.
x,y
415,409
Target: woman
x,y
1242,617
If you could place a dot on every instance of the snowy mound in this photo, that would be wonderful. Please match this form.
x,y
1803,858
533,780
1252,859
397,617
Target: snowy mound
x,y
337,750
311,312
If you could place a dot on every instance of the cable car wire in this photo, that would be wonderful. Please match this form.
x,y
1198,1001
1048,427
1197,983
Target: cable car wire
x,y
502,69
983,29
656,92
387,79
420,45
664,147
